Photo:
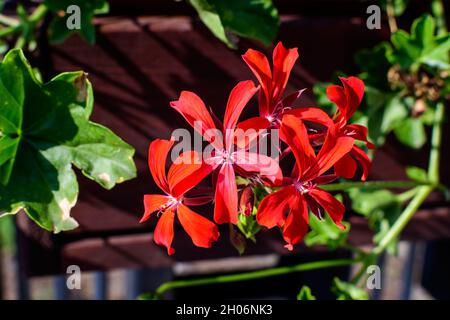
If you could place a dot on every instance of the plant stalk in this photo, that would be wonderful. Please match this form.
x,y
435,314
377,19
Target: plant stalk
x,y
391,16
245,276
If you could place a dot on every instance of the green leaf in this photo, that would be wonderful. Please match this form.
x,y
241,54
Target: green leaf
x,y
305,294
417,174
45,129
422,46
211,19
380,207
325,232
7,233
411,133
385,112
254,19
58,30
347,291
374,64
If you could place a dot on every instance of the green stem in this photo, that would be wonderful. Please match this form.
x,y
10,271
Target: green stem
x,y
373,185
403,220
407,195
391,16
422,193
436,140
437,8
245,276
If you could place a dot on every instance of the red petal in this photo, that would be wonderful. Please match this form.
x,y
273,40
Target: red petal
x,y
260,164
152,203
330,204
296,225
186,172
226,198
312,114
157,156
364,160
348,97
272,209
293,131
354,90
345,167
332,151
358,132
163,234
290,99
239,97
260,67
192,108
336,94
248,130
283,62
202,231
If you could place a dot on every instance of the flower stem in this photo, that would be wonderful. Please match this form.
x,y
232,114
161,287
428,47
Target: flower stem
x,y
422,193
391,16
403,220
245,276
437,8
436,140
373,185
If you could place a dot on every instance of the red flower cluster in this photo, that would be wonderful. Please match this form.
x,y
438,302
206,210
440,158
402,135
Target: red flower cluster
x,y
323,147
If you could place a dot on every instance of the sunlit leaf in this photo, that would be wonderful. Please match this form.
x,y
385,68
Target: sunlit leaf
x,y
45,129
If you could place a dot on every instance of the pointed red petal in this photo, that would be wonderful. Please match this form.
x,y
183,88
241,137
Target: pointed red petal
x,y
283,62
364,160
193,109
345,167
238,99
290,99
248,130
260,67
332,151
336,94
260,164
296,225
186,172
330,204
354,90
226,198
157,156
294,133
163,234
312,114
202,231
272,209
152,203
358,132
348,97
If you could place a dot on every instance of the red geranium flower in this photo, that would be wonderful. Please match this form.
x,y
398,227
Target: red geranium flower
x,y
347,99
224,156
182,177
288,207
273,84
